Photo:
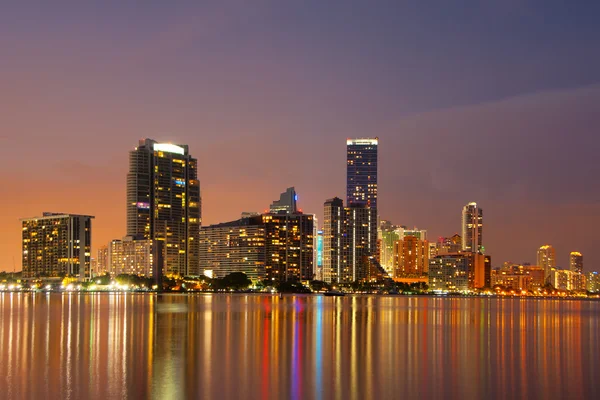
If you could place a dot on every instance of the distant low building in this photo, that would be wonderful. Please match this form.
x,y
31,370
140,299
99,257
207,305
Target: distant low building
x,y
131,256
519,277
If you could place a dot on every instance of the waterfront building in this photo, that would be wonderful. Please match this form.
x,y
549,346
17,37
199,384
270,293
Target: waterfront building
x,y
237,246
348,252
361,185
318,262
333,228
289,246
576,262
163,202
487,271
277,247
102,264
567,280
519,277
546,258
132,256
388,235
57,245
411,257
593,282
472,228
449,272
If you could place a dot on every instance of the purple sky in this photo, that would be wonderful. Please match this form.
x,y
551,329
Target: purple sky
x,y
496,102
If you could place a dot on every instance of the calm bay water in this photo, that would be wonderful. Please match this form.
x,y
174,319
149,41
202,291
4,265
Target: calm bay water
x,y
114,346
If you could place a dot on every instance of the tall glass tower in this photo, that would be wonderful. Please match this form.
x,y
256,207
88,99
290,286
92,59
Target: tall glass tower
x,y
361,173
163,202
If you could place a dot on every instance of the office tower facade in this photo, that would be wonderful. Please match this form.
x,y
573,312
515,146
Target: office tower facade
x,y
348,251
286,203
567,280
57,245
472,228
388,235
546,258
102,264
289,246
593,282
576,262
361,184
361,179
449,273
163,202
411,257
333,227
318,262
132,256
237,246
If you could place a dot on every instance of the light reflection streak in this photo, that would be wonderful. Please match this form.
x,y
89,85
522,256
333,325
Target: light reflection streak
x,y
123,346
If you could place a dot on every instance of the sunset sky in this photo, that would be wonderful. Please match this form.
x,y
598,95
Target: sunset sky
x,y
493,101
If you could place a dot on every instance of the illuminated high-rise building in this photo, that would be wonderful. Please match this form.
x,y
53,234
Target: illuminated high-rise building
x,y
593,282
333,225
348,250
289,246
361,183
449,272
57,244
318,253
163,202
472,228
237,246
576,262
132,256
411,257
388,235
546,258
102,263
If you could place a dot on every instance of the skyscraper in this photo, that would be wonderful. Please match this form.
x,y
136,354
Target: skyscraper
x,y
361,179
348,250
163,202
57,244
361,186
472,228
289,246
332,239
576,262
286,203
546,258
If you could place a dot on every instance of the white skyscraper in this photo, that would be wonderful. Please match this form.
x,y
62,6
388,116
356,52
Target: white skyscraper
x,y
472,228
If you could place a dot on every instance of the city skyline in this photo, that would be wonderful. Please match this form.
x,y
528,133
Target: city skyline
x,y
446,91
97,246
